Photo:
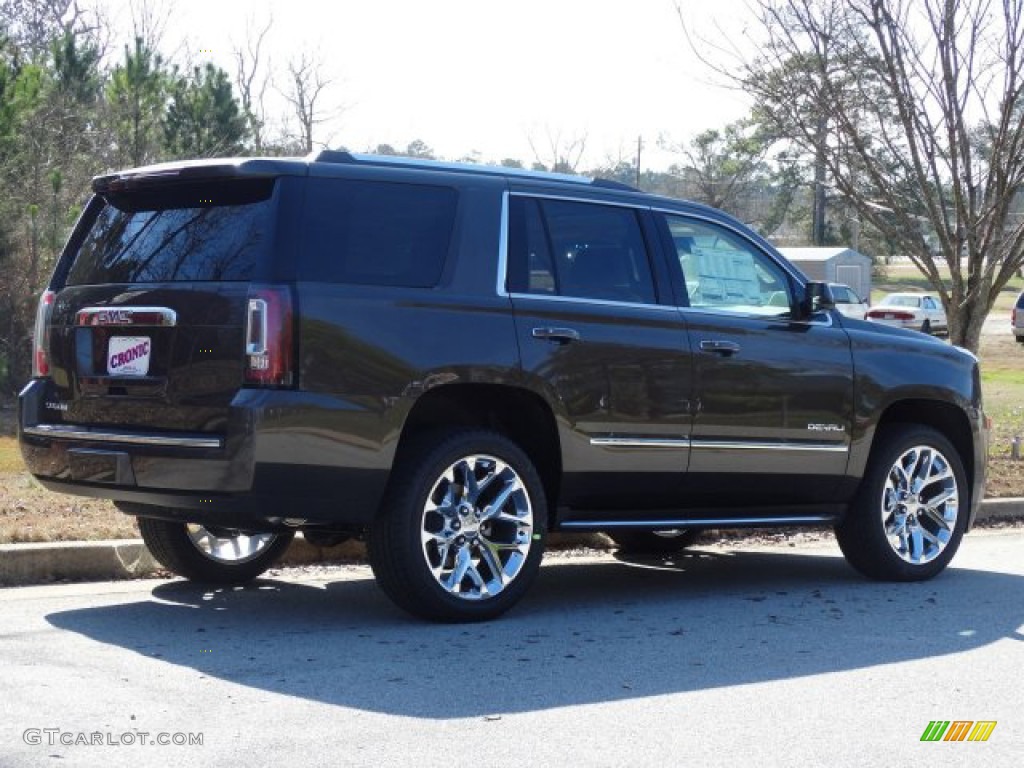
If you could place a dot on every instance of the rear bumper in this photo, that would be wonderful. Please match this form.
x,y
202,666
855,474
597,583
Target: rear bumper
x,y
249,474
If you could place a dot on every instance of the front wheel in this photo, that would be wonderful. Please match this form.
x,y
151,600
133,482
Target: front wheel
x,y
212,555
461,532
910,511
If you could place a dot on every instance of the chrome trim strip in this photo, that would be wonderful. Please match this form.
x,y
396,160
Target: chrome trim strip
x,y
640,442
703,522
597,302
503,247
69,432
752,446
167,317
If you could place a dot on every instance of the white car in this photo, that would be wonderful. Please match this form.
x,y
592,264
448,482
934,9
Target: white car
x,y
916,311
847,301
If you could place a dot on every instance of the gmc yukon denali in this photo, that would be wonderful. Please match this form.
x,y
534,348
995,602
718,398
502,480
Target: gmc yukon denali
x,y
454,361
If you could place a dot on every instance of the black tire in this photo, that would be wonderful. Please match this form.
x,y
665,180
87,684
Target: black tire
x,y
926,327
654,542
877,536
175,546
419,574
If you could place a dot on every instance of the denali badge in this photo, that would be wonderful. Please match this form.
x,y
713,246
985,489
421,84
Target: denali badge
x,y
826,428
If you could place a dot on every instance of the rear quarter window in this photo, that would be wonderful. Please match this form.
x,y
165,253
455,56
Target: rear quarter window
x,y
376,233
209,231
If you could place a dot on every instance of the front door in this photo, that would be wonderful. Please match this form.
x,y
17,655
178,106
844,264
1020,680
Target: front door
x,y
773,394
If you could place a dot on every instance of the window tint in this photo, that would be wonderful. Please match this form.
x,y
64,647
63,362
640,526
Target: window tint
x,y
581,250
376,233
724,272
532,269
209,231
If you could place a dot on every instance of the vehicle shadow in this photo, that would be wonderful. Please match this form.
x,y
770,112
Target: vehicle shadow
x,y
586,633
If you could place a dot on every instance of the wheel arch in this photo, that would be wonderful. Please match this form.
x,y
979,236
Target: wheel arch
x,y
518,413
944,417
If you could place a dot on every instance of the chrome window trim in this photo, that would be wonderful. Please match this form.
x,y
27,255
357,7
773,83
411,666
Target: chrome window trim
x,y
71,432
503,247
825,320
597,302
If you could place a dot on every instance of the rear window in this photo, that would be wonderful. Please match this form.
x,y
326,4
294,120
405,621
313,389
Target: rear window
x,y
376,233
182,232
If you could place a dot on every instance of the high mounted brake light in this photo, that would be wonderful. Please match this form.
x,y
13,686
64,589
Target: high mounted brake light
x,y
268,337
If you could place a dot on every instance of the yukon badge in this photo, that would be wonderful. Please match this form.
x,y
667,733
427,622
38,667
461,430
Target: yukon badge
x,y
826,428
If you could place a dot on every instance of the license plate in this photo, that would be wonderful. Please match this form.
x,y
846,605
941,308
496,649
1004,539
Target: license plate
x,y
129,355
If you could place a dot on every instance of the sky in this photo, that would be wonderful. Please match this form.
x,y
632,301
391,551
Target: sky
x,y
481,76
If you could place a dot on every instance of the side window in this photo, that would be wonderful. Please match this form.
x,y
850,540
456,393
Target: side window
x,y
531,269
928,302
725,273
581,250
843,295
376,233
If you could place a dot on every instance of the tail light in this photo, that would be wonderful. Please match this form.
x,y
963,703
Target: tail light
x,y
887,314
268,337
40,354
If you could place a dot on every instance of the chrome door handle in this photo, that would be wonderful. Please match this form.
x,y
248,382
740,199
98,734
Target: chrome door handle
x,y
723,348
559,335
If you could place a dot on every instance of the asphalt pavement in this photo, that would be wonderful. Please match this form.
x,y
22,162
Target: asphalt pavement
x,y
734,656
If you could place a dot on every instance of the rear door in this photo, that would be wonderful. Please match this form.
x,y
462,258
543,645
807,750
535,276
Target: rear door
x,y
599,343
147,328
773,395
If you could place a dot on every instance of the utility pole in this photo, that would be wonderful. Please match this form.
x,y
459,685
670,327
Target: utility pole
x,y
639,149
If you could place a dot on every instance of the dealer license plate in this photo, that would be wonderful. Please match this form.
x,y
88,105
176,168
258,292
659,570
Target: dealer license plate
x,y
129,355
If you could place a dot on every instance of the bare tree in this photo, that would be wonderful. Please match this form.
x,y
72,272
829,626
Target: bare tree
x,y
306,85
558,153
925,105
252,78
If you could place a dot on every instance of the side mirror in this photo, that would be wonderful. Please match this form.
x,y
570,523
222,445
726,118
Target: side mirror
x,y
817,298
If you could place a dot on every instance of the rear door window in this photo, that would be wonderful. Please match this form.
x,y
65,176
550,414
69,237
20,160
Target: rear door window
x,y
580,250
177,232
376,233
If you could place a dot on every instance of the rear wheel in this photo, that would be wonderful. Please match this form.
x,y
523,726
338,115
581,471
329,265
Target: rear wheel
x,y
461,533
910,512
212,555
664,542
926,326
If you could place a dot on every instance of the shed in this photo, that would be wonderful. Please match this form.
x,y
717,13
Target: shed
x,y
834,265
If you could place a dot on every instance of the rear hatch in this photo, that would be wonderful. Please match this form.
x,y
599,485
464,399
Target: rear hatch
x,y
147,328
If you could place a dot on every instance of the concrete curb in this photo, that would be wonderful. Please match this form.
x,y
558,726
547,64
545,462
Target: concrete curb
x,y
22,564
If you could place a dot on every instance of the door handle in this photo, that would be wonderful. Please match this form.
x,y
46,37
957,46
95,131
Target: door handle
x,y
558,335
723,348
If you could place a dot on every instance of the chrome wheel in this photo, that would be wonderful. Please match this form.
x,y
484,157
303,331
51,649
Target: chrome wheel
x,y
920,503
477,527
227,546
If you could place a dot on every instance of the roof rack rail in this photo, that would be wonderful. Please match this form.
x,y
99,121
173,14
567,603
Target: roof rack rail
x,y
343,156
612,184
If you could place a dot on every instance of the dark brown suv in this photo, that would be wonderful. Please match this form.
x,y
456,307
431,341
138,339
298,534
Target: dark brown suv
x,y
454,361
